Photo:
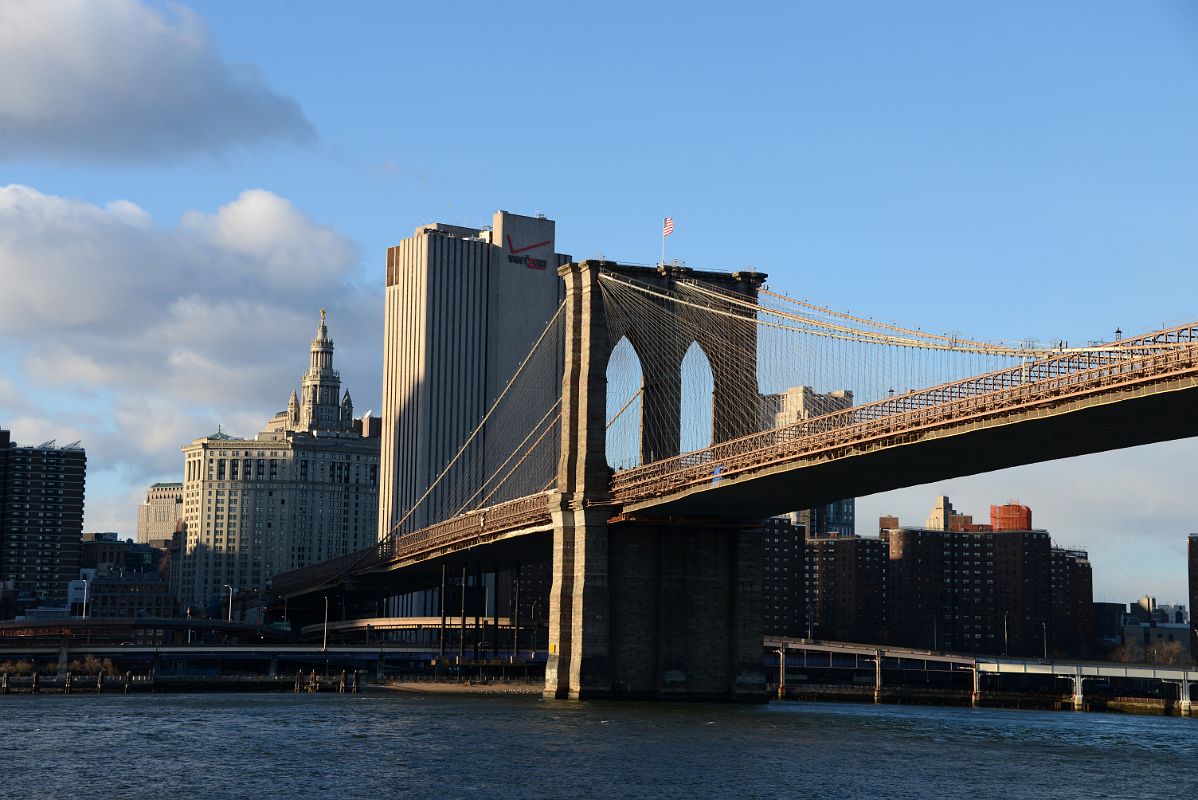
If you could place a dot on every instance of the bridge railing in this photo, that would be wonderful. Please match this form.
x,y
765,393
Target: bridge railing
x,y
1153,356
519,513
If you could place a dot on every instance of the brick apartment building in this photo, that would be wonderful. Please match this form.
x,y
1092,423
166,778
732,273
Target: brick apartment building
x,y
41,517
1192,558
952,584
844,587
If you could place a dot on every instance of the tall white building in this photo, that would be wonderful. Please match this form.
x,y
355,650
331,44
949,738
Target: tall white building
x,y
463,307
159,515
303,490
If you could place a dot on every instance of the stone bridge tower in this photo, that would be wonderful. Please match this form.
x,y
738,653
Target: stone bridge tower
x,y
657,608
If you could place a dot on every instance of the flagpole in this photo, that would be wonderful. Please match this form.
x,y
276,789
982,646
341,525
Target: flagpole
x,y
663,246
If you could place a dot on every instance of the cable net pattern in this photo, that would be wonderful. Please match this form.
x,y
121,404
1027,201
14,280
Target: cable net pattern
x,y
750,364
703,382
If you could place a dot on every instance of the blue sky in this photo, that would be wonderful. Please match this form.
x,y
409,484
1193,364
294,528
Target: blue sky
x,y
187,184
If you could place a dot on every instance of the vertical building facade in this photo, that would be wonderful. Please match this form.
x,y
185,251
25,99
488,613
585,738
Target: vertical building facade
x,y
463,308
1192,560
41,516
1072,601
844,579
917,594
303,490
782,584
159,515
956,586
959,585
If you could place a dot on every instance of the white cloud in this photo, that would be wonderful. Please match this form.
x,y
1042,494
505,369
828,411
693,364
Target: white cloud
x,y
261,227
139,338
119,80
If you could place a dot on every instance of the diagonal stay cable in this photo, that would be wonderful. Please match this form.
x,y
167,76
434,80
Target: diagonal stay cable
x,y
549,429
515,452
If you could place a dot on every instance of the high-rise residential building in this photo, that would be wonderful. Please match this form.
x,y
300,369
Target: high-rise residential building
x,y
822,587
917,594
303,490
957,585
41,516
844,587
159,515
463,308
796,404
1072,600
1192,559
782,584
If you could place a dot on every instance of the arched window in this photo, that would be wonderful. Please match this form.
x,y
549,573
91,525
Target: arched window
x,y
624,381
698,387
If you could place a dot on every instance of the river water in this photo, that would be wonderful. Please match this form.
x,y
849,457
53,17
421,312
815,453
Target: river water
x,y
415,745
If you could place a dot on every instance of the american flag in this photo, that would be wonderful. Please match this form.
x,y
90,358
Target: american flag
x,y
667,227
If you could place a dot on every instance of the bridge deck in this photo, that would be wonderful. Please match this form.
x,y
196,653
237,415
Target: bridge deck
x,y
1068,405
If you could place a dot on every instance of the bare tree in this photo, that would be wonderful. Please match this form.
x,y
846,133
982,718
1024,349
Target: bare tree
x,y
1127,653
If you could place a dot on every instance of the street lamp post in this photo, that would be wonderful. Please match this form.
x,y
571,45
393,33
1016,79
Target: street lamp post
x,y
230,616
1004,633
324,642
86,583
781,672
1044,637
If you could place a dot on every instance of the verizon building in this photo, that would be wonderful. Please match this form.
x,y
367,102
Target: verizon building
x,y
464,306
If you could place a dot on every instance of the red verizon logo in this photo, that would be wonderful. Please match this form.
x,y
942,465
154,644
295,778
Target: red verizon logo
x,y
514,252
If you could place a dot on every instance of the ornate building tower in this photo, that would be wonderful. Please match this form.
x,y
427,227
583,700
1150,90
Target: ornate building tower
x,y
305,489
321,387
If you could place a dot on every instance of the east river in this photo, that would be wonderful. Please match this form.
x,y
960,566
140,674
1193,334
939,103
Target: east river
x,y
173,747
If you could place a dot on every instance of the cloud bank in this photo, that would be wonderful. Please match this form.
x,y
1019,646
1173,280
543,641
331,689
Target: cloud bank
x,y
138,338
116,80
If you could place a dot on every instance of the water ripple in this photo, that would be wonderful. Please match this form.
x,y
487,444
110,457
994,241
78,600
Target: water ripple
x,y
371,746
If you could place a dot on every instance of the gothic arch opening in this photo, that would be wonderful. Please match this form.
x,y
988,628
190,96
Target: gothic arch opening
x,y
698,389
625,381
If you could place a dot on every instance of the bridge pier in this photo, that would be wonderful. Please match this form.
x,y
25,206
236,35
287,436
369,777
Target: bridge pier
x,y
1079,699
877,676
1184,705
662,609
666,611
577,666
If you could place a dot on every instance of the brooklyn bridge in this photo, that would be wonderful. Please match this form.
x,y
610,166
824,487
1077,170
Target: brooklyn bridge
x,y
647,432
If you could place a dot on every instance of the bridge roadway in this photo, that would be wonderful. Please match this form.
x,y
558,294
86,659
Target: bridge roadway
x,y
969,427
958,429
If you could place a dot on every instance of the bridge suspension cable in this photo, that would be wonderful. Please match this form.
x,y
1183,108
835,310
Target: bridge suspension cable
x,y
740,363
